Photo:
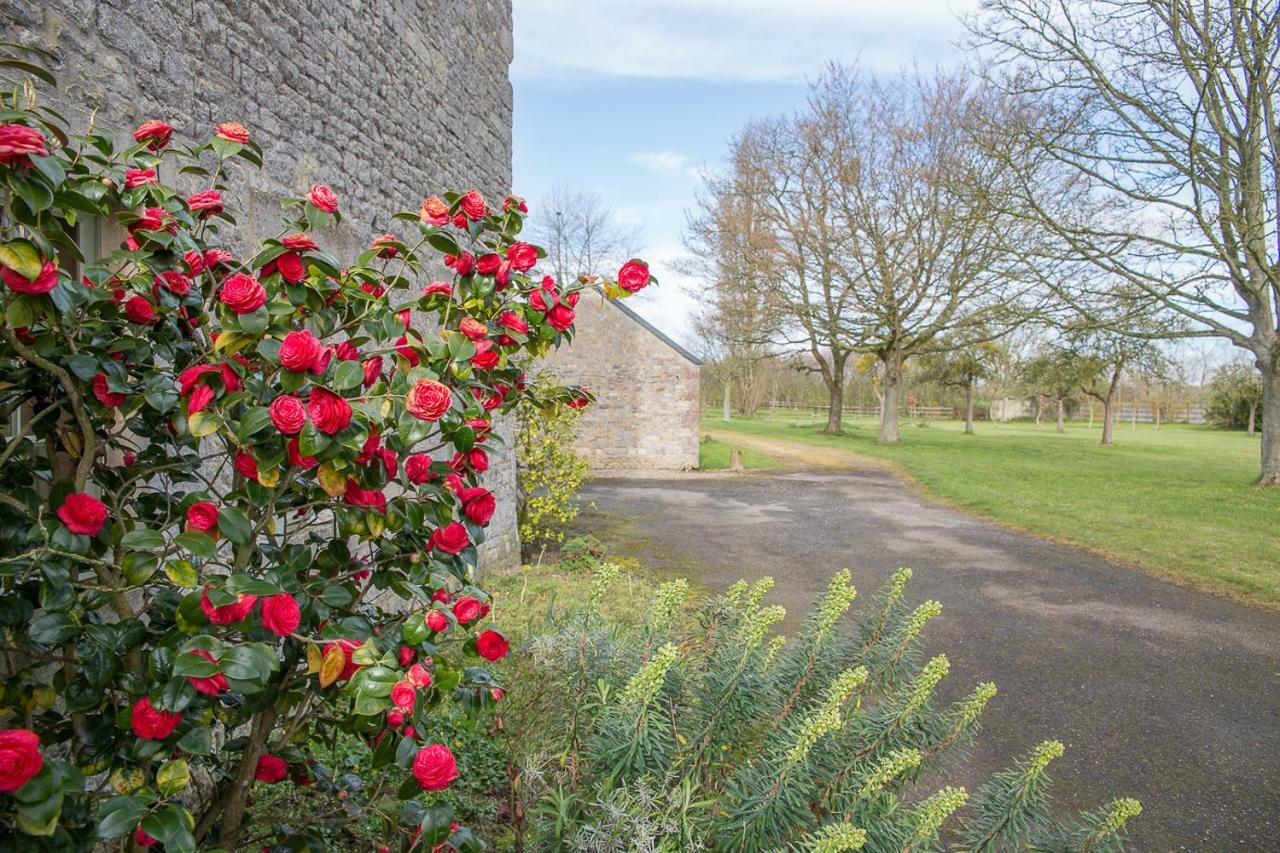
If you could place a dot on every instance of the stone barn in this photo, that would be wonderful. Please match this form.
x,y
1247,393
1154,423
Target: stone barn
x,y
386,101
646,386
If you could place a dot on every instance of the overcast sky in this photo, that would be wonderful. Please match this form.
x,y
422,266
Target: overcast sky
x,y
631,99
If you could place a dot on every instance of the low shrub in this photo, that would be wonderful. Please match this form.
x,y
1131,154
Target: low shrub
x,y
702,731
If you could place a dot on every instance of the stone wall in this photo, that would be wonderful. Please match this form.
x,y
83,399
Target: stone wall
x,y
386,101
647,406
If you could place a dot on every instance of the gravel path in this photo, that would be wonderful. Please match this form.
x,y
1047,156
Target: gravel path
x,y
1158,691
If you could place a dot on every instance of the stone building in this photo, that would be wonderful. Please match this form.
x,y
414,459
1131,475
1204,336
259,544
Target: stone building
x,y
646,386
386,101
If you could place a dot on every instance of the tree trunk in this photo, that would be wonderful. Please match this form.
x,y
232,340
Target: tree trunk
x,y
1062,415
889,404
1109,409
725,415
1253,418
835,407
1039,410
1270,426
968,410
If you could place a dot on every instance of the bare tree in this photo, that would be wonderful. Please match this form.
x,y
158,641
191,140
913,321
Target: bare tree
x,y
773,212
1162,117
1103,355
930,254
963,369
582,234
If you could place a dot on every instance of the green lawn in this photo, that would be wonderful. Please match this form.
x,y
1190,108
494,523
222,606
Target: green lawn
x,y
714,456
1179,500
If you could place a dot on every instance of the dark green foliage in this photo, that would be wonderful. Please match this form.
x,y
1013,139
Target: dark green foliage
x,y
704,732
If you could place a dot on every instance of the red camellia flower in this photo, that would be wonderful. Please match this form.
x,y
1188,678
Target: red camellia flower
x,y
434,211
281,614
477,459
486,357
473,206
200,399
514,322
473,329
437,621
451,539
174,282
296,459
478,505
395,719
140,310
210,685
372,370
348,646
418,675
434,767
466,609
462,264
155,133
205,203
155,219
329,412
384,244
202,516
141,838
47,280
139,177
246,465
242,293
299,351
560,318
299,242
406,655
428,400
438,288
227,614
357,496
150,723
492,646
290,267
105,395
514,202
233,131
20,758
83,513
633,276
288,414
323,198
418,468
271,769
403,695
487,264
522,256
18,142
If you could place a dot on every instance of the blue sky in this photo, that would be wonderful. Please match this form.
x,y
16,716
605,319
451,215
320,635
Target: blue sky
x,y
632,99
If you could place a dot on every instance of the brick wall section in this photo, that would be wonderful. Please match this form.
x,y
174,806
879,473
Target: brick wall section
x,y
386,101
646,414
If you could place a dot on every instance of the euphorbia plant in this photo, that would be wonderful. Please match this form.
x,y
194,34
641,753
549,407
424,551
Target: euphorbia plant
x,y
241,499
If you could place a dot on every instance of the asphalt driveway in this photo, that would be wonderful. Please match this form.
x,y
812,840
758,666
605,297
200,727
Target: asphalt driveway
x,y
1158,691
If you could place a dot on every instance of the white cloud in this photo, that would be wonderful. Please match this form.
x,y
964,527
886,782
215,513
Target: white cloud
x,y
739,40
665,163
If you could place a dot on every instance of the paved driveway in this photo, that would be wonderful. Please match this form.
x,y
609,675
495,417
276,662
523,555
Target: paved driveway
x,y
1158,691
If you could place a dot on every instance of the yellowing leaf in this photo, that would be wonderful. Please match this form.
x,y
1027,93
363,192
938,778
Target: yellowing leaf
x,y
269,477
202,424
21,257
314,658
182,573
333,482
126,780
332,665
172,777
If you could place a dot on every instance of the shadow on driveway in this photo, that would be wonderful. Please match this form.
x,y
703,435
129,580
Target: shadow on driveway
x,y
1158,691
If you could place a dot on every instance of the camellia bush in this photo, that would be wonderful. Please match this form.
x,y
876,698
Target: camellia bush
x,y
240,496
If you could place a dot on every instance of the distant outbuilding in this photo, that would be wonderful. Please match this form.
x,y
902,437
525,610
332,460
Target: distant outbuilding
x,y
647,386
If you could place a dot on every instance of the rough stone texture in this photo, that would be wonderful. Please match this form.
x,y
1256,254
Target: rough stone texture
x,y
386,101
646,412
